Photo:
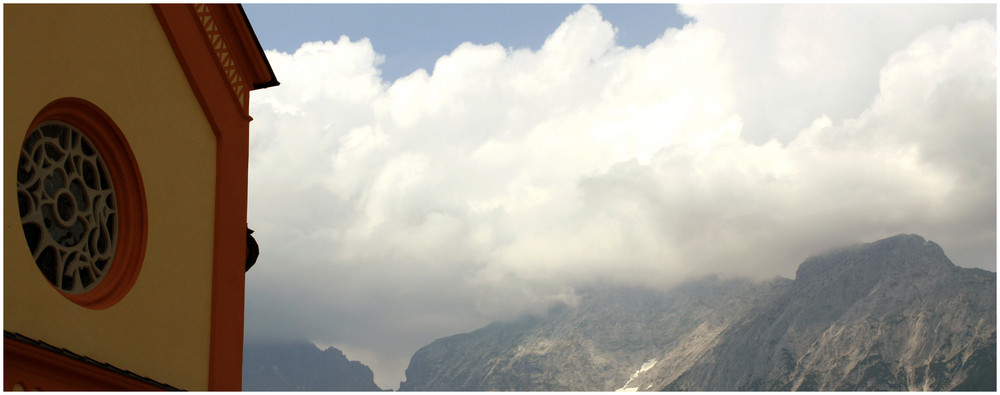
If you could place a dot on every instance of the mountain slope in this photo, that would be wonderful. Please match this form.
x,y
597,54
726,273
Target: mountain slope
x,y
596,345
302,367
891,315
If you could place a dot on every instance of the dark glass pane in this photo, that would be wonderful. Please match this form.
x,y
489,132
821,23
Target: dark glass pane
x,y
37,156
65,206
69,167
105,179
24,170
86,277
54,182
86,148
102,242
47,262
89,174
112,224
23,203
54,152
32,139
34,234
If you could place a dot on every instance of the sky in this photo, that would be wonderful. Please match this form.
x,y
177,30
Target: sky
x,y
422,170
412,36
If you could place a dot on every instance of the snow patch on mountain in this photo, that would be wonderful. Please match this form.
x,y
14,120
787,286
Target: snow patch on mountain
x,y
642,369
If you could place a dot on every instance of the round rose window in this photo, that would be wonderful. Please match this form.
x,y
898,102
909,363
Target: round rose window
x,y
68,207
82,203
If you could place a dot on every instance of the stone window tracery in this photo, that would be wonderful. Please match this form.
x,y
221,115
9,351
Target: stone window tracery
x,y
68,208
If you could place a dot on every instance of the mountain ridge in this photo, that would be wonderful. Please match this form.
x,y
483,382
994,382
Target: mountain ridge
x,y
302,366
894,314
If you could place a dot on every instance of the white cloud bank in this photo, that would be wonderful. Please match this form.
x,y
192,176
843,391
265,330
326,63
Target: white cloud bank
x,y
391,214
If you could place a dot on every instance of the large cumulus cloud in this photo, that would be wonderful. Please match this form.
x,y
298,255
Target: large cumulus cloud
x,y
393,213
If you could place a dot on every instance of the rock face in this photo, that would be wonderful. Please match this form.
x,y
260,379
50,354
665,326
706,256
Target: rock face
x,y
302,367
891,315
596,345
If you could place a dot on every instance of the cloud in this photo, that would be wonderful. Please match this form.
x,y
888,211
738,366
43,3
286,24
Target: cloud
x,y
799,62
391,214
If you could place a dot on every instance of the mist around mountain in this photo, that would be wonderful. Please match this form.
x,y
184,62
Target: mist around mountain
x,y
302,367
895,314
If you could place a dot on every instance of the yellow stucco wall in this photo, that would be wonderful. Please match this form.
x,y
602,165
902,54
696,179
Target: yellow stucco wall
x,y
117,57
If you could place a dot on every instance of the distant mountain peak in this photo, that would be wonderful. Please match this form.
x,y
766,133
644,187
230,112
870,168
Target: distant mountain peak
x,y
909,238
910,241
302,366
892,255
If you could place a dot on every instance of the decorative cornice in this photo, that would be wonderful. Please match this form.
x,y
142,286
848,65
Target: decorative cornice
x,y
217,41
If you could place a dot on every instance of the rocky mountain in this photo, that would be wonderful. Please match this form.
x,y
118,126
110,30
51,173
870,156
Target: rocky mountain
x,y
895,314
302,367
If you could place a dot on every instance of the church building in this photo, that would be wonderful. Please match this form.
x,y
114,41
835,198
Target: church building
x,y
126,137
